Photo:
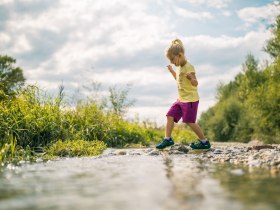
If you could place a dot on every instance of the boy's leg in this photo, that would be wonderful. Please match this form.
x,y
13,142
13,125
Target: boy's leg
x,y
189,117
198,131
167,141
202,143
169,126
173,115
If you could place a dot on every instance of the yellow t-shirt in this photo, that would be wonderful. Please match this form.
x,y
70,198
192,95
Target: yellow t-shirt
x,y
187,92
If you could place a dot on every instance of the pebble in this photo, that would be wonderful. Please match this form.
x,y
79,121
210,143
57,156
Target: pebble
x,y
154,152
237,172
121,152
264,155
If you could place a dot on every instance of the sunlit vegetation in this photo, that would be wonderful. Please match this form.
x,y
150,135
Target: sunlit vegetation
x,y
248,107
31,118
75,148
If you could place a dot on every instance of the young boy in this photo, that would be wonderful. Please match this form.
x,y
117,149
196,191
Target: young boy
x,y
187,103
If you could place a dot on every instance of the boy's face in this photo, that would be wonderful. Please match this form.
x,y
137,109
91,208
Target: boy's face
x,y
177,60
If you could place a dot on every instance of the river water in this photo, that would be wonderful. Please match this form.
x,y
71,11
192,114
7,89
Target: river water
x,y
137,181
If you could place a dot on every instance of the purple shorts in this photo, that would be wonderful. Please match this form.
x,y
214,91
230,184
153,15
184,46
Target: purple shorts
x,y
185,110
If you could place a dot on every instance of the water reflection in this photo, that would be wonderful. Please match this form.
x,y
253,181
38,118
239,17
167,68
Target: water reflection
x,y
109,183
193,188
169,164
127,182
256,188
202,185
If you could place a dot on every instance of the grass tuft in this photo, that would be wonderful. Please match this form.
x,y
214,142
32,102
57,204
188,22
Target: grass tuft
x,y
73,148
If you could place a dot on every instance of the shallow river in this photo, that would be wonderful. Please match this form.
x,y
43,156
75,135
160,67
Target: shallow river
x,y
137,182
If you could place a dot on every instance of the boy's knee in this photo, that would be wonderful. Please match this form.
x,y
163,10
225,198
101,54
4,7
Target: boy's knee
x,y
189,124
170,118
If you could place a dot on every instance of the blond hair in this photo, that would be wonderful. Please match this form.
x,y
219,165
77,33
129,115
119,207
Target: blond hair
x,y
175,48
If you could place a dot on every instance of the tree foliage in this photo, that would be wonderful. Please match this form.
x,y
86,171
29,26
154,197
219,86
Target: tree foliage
x,y
118,99
273,45
248,107
11,77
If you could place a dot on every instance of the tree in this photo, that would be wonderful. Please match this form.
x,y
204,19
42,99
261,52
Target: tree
x,y
251,79
11,77
273,45
119,101
248,107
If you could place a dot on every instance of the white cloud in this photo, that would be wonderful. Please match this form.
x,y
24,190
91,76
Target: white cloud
x,y
153,114
146,76
215,75
252,15
226,13
225,50
21,45
193,15
219,4
6,2
91,31
5,39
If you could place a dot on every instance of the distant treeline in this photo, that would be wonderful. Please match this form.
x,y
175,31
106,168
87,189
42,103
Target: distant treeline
x,y
248,107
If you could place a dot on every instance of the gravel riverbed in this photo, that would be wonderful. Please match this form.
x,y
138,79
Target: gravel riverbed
x,y
253,155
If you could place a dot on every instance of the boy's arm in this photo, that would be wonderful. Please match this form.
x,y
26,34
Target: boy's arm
x,y
191,76
172,71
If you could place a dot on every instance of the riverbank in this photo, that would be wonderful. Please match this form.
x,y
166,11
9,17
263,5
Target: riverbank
x,y
253,154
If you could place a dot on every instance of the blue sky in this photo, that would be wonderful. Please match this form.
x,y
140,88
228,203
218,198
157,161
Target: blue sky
x,y
118,42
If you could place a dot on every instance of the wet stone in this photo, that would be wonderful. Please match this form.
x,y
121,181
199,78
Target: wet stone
x,y
154,152
181,148
218,151
259,147
121,153
176,152
135,153
148,150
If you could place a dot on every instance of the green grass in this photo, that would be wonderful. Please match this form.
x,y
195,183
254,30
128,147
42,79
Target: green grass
x,y
183,135
73,148
34,119
7,152
13,153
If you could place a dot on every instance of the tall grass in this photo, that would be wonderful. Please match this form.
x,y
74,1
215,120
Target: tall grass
x,y
31,120
34,119
75,148
7,152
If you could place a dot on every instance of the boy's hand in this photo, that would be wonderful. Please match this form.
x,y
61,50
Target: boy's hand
x,y
190,75
171,71
170,68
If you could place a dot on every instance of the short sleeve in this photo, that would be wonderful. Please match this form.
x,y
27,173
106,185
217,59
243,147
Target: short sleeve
x,y
190,69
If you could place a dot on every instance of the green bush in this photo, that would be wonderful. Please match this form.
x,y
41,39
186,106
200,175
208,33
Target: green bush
x,y
31,121
248,107
72,148
182,134
36,119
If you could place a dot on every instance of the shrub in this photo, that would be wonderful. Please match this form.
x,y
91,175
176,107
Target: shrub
x,y
71,148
